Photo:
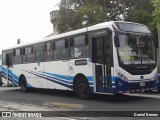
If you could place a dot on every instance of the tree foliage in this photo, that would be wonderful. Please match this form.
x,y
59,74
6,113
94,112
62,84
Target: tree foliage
x,y
156,12
75,14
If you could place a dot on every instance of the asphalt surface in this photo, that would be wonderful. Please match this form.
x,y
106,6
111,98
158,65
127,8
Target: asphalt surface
x,y
39,100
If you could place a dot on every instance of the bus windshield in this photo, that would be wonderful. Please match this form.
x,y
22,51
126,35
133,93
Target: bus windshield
x,y
136,49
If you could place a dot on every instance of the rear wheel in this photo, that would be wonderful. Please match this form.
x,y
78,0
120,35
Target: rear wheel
x,y
82,88
23,84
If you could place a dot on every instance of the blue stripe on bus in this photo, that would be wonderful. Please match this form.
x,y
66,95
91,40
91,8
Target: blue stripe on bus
x,y
12,77
59,79
52,80
90,78
69,79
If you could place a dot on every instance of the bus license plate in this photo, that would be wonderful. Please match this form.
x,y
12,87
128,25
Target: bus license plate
x,y
142,84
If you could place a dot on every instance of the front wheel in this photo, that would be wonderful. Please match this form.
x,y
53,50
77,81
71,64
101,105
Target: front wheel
x,y
23,84
82,88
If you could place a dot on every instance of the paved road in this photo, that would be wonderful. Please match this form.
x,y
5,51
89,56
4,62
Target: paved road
x,y
12,99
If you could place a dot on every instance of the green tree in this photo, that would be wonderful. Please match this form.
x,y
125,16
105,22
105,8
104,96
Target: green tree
x,y
89,14
140,16
74,13
142,13
156,14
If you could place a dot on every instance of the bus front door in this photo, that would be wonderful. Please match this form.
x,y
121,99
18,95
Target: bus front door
x,y
101,56
8,68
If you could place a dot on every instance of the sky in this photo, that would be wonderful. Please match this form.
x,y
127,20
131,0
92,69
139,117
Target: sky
x,y
28,20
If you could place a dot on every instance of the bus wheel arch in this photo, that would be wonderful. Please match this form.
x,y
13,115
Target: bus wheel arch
x,y
23,83
81,86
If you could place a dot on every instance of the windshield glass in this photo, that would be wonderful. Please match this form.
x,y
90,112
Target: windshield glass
x,y
136,49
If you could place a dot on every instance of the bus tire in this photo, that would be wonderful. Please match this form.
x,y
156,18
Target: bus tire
x,y
23,84
1,83
82,88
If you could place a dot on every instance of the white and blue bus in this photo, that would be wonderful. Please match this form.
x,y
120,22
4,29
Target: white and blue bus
x,y
110,57
0,71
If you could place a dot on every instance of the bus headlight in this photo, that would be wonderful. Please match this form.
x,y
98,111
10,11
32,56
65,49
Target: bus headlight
x,y
123,77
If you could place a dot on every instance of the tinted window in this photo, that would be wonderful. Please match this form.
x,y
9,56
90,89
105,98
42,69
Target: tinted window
x,y
3,58
17,52
28,54
79,46
48,51
28,50
17,59
39,54
60,49
48,46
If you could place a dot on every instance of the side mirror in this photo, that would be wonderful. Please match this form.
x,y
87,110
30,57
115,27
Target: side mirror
x,y
116,41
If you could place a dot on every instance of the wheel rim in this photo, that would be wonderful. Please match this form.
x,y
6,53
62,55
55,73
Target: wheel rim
x,y
82,88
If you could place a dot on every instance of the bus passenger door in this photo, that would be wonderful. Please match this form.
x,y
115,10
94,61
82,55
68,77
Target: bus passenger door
x,y
38,68
8,68
101,56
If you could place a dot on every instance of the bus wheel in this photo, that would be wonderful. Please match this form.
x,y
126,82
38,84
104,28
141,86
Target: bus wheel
x,y
23,84
1,83
82,88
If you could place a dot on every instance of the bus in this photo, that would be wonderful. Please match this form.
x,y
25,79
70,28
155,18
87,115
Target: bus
x,y
0,71
107,58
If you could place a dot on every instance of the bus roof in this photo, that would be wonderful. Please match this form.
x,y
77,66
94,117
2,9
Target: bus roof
x,y
74,32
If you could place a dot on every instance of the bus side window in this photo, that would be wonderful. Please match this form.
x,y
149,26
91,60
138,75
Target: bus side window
x,y
17,59
48,51
61,49
79,47
3,58
28,55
